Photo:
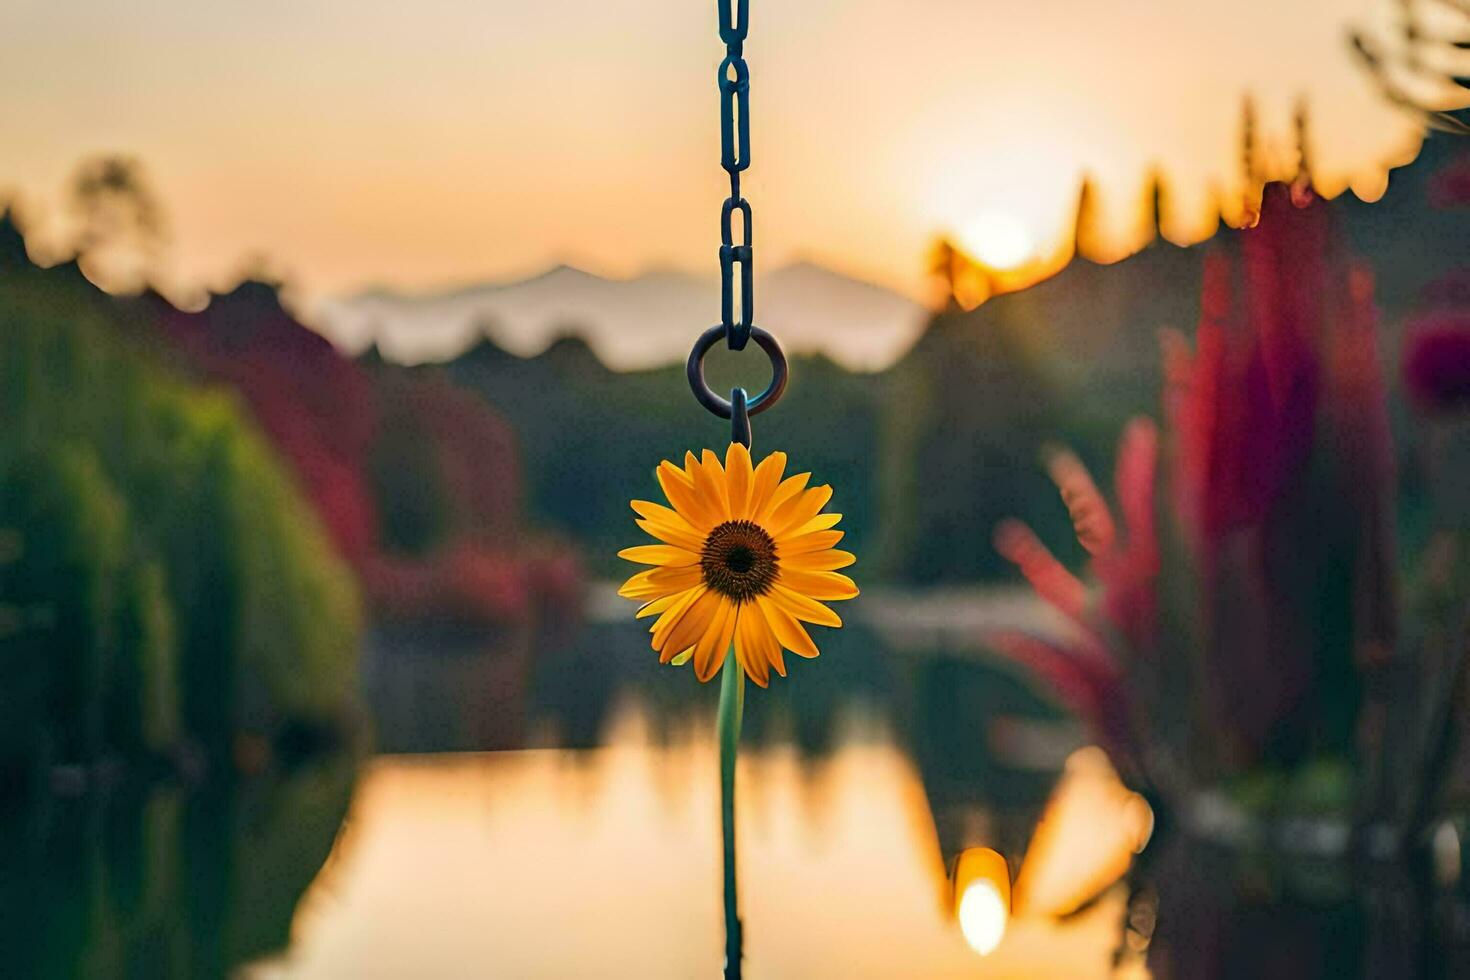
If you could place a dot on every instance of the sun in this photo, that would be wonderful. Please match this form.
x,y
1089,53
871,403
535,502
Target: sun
x,y
997,239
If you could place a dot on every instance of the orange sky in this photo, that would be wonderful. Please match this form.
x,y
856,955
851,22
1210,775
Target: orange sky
x,y
442,142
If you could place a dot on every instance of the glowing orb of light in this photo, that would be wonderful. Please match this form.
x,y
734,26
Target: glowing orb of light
x,y
983,916
982,897
997,239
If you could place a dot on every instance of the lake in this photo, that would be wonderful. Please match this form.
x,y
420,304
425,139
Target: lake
x,y
544,803
606,862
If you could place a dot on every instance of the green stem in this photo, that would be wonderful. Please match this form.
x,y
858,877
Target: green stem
x,y
732,704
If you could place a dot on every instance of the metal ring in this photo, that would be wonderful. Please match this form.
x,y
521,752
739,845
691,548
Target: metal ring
x,y
721,406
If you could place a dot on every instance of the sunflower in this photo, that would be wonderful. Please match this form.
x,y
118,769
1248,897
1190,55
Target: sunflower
x,y
745,558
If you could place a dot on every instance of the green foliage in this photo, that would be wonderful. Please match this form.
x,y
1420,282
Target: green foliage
x,y
296,609
593,437
161,882
414,511
924,458
164,576
968,410
144,708
72,525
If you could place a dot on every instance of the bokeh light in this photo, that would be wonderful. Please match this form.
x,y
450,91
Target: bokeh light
x,y
983,915
982,888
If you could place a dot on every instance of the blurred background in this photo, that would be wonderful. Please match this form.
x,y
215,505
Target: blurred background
x,y
1133,337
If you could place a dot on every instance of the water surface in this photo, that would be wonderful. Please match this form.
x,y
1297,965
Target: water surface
x,y
605,862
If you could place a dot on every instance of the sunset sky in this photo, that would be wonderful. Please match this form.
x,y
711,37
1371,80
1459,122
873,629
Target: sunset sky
x,y
435,143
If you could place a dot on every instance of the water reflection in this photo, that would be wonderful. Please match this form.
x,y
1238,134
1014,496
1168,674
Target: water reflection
x,y
863,788
168,881
1203,909
605,862
1086,838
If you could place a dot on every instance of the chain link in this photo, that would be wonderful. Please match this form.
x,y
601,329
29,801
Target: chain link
x,y
734,84
735,244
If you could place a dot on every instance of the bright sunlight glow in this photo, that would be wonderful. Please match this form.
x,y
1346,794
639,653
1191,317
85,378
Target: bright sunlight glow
x,y
998,239
983,916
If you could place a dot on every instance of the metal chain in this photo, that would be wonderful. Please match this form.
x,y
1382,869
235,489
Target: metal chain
x,y
734,85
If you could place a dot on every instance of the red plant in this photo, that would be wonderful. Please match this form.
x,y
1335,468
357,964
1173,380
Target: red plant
x,y
326,415
1225,616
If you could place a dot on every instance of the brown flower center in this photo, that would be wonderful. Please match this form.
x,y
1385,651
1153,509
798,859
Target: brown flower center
x,y
739,560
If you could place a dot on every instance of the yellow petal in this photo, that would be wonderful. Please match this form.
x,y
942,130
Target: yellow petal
x,y
789,488
738,480
767,478
771,645
678,486
709,652
676,578
821,522
789,633
750,633
692,626
797,511
638,587
652,583
650,511
807,544
709,483
657,512
659,606
672,617
682,658
818,585
712,465
660,554
675,534
804,609
818,561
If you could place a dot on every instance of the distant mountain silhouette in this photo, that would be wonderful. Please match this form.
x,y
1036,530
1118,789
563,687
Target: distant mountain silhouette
x,y
1099,321
634,323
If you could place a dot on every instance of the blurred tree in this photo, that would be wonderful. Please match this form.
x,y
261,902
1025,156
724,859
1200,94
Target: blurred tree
x,y
119,222
162,573
969,408
73,528
165,883
412,510
584,425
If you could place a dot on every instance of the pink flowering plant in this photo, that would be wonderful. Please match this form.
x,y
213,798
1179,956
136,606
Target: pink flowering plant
x,y
1246,620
